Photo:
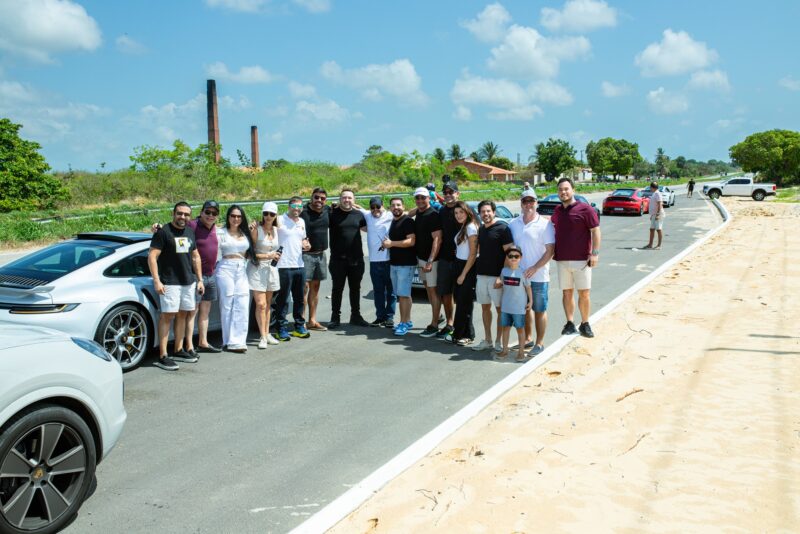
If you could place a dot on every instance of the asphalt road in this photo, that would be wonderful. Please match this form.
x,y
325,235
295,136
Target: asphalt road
x,y
258,442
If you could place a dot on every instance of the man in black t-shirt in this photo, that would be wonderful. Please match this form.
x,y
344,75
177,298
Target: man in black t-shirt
x,y
428,232
316,214
175,267
445,278
347,258
494,238
402,261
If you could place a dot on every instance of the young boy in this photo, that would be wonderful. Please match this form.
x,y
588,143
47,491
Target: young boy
x,y
515,303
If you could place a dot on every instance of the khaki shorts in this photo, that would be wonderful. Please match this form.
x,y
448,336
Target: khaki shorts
x,y
574,275
656,224
177,298
485,292
428,279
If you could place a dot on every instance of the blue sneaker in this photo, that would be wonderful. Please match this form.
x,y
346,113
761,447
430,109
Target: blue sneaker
x,y
401,329
283,335
409,325
301,332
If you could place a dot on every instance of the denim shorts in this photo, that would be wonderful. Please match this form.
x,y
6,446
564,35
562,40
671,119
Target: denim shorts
x,y
539,291
315,266
402,275
517,320
211,294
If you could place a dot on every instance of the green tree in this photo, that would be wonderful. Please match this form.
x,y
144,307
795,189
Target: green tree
x,y
489,150
554,157
24,182
661,162
643,169
774,154
455,152
476,156
600,156
439,154
500,161
614,156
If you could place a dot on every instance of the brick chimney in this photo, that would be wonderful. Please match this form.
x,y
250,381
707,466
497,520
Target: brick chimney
x,y
213,118
254,159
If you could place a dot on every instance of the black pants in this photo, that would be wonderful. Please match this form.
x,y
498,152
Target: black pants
x,y
342,270
292,280
464,296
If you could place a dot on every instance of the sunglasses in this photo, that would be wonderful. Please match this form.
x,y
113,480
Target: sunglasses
x,y
420,197
183,214
295,206
528,200
374,207
513,256
232,216
449,192
210,213
318,197
268,214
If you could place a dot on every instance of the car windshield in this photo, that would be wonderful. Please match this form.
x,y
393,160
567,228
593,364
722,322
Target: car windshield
x,y
551,198
623,193
647,193
56,261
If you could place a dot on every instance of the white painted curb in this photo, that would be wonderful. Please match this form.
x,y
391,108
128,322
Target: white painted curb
x,y
343,505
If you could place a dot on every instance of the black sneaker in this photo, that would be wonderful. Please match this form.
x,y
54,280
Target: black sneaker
x,y
388,323
334,323
184,356
210,349
359,321
377,322
430,331
167,363
569,329
586,330
444,332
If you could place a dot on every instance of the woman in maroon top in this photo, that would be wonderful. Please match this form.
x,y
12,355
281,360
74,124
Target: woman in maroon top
x,y
577,250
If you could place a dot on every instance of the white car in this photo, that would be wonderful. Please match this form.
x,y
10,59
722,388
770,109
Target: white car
x,y
61,413
667,195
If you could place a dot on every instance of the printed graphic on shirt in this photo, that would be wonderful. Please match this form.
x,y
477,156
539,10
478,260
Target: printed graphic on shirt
x,y
511,281
182,245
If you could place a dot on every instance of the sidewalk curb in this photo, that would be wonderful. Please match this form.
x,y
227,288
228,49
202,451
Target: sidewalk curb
x,y
342,506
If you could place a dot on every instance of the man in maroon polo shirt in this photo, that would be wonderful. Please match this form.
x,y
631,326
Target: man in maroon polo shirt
x,y
577,249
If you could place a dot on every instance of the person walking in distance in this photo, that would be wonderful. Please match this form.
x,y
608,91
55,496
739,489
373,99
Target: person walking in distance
x,y
235,249
577,251
262,275
656,210
466,242
516,302
535,237
316,215
347,258
378,222
400,242
690,188
494,238
428,231
292,237
175,267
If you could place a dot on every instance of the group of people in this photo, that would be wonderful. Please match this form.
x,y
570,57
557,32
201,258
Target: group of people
x,y
458,258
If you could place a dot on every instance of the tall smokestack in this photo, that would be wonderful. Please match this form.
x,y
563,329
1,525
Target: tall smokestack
x,y
213,118
254,159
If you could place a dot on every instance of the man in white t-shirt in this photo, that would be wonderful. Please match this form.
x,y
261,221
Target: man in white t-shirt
x,y
378,222
536,237
292,238
656,211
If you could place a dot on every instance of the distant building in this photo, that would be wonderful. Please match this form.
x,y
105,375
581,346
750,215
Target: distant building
x,y
486,172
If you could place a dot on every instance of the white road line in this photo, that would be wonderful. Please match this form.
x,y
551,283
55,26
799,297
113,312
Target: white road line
x,y
343,505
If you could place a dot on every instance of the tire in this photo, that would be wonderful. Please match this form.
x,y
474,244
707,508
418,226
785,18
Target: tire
x,y
714,193
127,344
758,195
58,440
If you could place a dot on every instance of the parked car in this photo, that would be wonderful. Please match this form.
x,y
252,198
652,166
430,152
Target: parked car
x,y
547,204
61,413
739,187
626,201
667,195
97,286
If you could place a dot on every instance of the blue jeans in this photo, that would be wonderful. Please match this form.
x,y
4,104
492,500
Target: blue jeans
x,y
294,280
379,272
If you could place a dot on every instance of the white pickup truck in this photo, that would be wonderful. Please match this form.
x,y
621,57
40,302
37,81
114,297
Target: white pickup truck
x,y
739,187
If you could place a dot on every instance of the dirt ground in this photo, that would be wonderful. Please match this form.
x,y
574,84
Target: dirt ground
x,y
682,415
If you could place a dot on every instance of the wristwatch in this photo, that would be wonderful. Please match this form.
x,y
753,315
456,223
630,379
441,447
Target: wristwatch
x,y
595,252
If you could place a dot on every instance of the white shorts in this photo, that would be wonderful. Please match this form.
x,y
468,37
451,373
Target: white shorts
x,y
263,277
574,275
656,224
178,298
429,279
485,292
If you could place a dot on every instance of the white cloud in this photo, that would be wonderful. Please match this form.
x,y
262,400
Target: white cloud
x,y
579,16
787,82
276,138
299,90
247,75
14,92
398,79
37,29
490,24
665,102
314,6
508,100
277,111
172,121
549,92
246,6
725,126
715,80
322,111
524,113
677,53
525,53
128,45
613,91
462,113
411,143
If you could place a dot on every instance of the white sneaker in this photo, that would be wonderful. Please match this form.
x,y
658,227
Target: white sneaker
x,y
262,344
498,347
271,340
483,345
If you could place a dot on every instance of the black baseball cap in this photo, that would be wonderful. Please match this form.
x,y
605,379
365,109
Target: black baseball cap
x,y
450,185
211,204
375,201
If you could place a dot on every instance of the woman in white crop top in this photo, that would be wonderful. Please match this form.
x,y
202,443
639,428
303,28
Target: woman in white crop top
x,y
464,265
235,248
262,275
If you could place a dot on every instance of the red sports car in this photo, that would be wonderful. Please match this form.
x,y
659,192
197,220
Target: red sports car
x,y
626,201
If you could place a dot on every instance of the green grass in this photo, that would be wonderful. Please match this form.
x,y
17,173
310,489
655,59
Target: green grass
x,y
788,194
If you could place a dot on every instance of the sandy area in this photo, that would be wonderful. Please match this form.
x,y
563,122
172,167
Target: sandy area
x,y
682,415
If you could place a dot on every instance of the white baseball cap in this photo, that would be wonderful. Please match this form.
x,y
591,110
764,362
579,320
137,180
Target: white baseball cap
x,y
528,193
421,191
270,207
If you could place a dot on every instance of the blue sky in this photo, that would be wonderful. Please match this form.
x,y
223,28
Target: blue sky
x,y
324,79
